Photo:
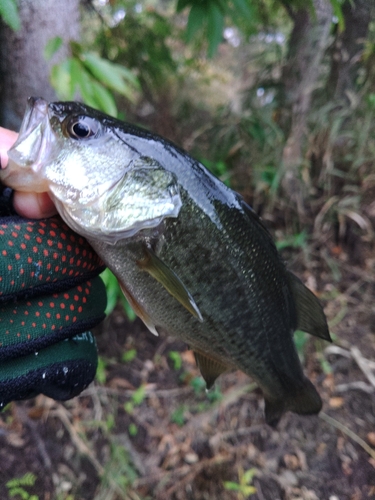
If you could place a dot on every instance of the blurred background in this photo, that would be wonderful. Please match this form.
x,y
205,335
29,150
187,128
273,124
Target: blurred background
x,y
276,98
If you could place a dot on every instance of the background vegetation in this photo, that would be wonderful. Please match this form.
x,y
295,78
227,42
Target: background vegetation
x,y
277,98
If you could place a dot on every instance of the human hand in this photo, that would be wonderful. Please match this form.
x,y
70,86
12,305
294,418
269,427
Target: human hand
x,y
32,205
50,296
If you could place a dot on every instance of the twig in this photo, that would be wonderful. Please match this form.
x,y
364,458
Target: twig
x,y
338,351
194,470
201,420
82,447
149,392
243,431
26,420
358,385
338,425
123,440
364,364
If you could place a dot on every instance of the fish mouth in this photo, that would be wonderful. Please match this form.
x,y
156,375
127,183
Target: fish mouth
x,y
30,149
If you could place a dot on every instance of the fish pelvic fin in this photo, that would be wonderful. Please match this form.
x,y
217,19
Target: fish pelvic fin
x,y
306,401
139,310
209,368
310,314
170,281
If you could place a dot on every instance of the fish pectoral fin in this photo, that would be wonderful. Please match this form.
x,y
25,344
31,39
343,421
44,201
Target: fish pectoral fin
x,y
170,281
310,314
305,401
139,310
209,368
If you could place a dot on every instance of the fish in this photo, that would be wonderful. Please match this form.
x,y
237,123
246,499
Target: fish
x,y
193,259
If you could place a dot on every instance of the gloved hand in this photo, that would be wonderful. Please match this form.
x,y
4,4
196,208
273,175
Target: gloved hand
x,y
50,296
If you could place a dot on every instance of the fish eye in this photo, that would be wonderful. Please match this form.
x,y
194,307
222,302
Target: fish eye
x,y
81,127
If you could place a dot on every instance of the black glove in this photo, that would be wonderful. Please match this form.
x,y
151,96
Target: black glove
x,y
50,296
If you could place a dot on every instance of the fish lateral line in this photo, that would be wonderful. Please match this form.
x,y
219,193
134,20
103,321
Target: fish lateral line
x,y
152,264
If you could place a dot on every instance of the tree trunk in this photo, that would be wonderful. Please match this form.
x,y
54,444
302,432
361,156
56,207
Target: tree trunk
x,y
23,69
348,47
307,45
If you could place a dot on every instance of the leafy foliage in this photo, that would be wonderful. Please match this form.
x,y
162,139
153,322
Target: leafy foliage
x,y
114,295
16,487
9,14
92,77
244,487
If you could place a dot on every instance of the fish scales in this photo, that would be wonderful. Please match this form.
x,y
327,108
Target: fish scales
x,y
192,258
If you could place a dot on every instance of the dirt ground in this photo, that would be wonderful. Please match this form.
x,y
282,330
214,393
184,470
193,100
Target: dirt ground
x,y
148,430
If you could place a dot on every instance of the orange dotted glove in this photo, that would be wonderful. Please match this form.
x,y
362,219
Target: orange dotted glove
x,y
50,296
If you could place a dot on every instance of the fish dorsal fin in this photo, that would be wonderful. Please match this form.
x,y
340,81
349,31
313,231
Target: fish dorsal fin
x,y
209,368
139,310
170,281
310,314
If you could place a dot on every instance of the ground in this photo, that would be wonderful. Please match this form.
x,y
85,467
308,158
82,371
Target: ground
x,y
148,430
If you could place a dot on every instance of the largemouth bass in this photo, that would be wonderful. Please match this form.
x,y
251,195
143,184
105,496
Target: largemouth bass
x,y
193,259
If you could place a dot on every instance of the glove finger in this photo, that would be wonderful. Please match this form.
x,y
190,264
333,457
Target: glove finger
x,y
42,256
27,326
60,371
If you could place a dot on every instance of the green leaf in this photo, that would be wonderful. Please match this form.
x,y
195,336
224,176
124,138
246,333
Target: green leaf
x,y
230,485
61,79
248,475
181,4
101,375
242,8
129,407
104,99
139,395
19,492
129,355
27,480
85,84
215,28
178,416
9,13
175,356
133,429
52,47
112,289
337,11
197,18
128,75
109,74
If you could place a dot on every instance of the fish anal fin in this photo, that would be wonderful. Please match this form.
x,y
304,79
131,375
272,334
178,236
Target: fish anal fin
x,y
170,281
305,401
209,368
310,314
139,310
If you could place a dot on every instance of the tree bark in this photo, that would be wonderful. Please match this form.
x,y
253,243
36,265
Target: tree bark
x,y
23,69
348,48
307,45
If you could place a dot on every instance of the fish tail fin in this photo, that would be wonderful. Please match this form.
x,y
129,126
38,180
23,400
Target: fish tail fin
x,y
305,401
310,314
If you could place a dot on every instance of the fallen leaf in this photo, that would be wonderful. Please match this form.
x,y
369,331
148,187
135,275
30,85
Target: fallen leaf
x,y
336,402
188,357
